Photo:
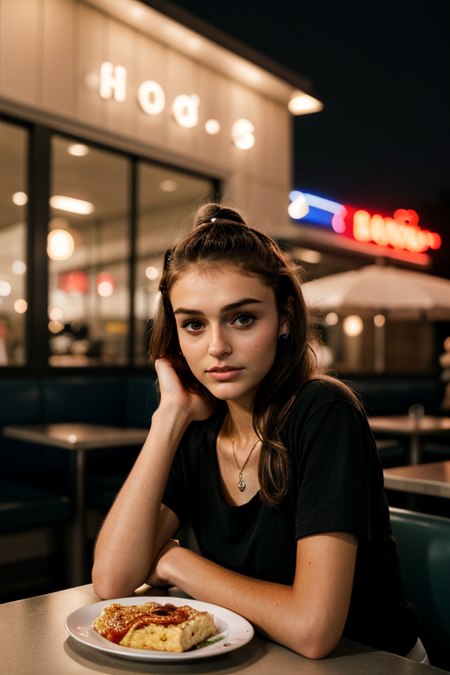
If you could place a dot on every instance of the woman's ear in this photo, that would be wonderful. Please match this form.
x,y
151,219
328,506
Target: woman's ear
x,y
285,318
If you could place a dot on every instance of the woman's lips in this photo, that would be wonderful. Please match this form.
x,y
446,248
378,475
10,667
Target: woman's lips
x,y
224,375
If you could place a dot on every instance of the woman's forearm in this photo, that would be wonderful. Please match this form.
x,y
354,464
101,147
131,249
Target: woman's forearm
x,y
305,617
127,540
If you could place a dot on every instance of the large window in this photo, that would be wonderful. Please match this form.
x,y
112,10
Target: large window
x,y
165,199
88,249
13,244
111,217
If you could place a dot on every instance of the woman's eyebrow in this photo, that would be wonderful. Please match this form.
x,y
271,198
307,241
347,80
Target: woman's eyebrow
x,y
240,303
227,308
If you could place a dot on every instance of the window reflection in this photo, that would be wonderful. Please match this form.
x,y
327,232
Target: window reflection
x,y
13,246
88,247
165,198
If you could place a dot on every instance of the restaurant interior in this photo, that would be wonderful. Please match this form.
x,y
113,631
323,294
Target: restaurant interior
x,y
78,290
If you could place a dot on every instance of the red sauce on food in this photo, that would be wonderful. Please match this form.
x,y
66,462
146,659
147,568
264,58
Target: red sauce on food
x,y
122,618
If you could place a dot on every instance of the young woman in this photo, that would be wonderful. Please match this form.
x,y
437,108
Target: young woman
x,y
272,464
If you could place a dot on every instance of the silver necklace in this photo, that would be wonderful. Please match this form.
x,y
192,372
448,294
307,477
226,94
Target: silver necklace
x,y
241,483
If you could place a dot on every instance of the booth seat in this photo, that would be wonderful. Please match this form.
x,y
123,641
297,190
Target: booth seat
x,y
24,506
33,515
118,400
424,546
102,489
394,395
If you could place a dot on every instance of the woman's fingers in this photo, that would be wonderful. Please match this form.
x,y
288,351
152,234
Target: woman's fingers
x,y
173,376
158,575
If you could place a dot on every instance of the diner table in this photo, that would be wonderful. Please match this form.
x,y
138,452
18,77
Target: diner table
x,y
34,640
431,479
413,427
77,439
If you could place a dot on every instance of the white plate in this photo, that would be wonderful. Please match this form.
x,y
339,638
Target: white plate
x,y
234,630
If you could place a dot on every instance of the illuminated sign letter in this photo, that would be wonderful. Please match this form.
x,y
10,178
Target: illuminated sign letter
x,y
151,97
242,134
401,232
361,226
185,110
113,81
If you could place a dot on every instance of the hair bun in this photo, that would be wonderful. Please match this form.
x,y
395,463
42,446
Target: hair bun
x,y
207,212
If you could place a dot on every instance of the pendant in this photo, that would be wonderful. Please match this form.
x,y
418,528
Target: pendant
x,y
241,484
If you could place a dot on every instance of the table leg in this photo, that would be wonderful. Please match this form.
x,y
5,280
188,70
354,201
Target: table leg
x,y
415,450
78,545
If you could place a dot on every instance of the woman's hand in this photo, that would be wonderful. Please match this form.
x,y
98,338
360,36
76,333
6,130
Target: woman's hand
x,y
170,373
158,575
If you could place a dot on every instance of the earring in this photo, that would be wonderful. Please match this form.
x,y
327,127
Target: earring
x,y
283,336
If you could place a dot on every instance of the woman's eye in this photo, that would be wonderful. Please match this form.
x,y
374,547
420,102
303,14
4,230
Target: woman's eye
x,y
245,320
192,326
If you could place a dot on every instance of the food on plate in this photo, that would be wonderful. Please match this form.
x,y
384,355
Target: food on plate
x,y
154,626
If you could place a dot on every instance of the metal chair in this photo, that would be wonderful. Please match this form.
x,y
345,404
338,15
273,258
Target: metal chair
x,y
424,546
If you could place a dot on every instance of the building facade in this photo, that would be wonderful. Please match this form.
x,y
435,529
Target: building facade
x,y
116,122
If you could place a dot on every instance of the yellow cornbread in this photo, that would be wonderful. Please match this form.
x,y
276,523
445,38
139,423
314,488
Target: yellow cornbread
x,y
154,626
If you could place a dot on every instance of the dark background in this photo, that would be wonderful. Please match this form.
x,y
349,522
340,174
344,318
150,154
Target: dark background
x,y
382,71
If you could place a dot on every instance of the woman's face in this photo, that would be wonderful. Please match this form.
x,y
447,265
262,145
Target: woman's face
x,y
228,327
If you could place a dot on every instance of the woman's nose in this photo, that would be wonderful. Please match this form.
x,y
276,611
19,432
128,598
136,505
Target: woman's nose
x,y
218,345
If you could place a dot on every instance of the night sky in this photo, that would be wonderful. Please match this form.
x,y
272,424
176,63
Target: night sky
x,y
382,71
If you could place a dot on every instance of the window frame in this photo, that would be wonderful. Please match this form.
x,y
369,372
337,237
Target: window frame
x,y
38,185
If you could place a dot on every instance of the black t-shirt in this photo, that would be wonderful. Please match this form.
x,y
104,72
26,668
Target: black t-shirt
x,y
336,486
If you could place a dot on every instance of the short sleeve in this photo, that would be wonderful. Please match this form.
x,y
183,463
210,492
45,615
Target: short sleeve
x,y
332,468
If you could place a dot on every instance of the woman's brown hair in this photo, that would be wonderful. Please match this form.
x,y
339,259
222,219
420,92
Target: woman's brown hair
x,y
221,236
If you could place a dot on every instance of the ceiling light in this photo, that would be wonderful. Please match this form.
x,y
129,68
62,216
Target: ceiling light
x,y
60,245
212,127
379,320
353,325
105,285
5,289
18,267
20,306
78,150
331,319
55,327
309,256
151,272
168,185
302,104
55,313
20,198
71,205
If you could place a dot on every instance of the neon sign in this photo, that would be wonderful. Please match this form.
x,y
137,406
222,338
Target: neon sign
x,y
400,232
317,210
185,107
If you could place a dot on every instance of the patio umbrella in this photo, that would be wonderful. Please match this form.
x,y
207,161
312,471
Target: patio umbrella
x,y
381,289
396,292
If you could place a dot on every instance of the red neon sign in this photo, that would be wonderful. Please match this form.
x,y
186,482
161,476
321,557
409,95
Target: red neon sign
x,y
401,232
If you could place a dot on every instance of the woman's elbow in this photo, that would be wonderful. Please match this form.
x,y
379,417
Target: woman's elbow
x,y
316,643
107,587
104,590
317,650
